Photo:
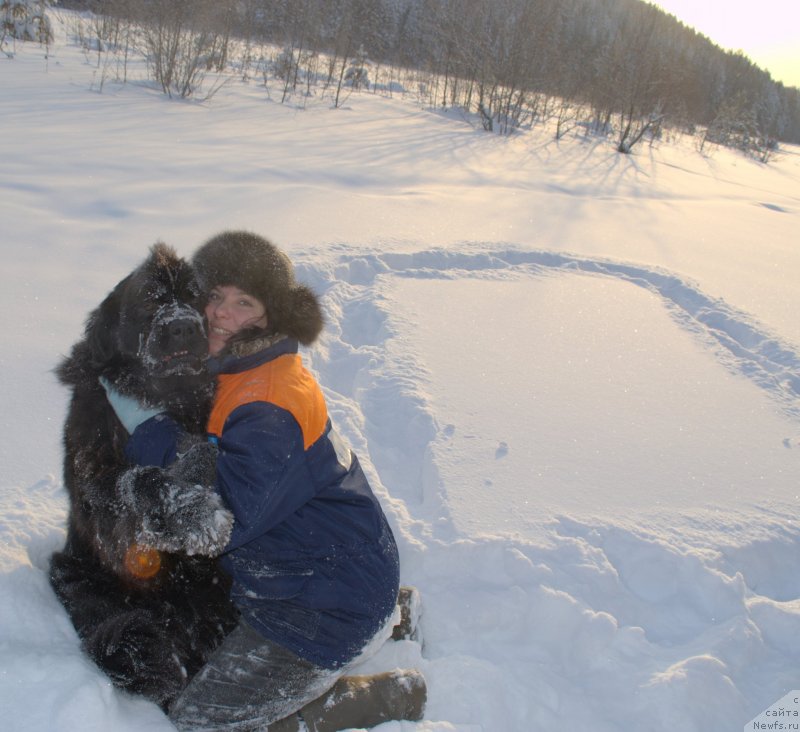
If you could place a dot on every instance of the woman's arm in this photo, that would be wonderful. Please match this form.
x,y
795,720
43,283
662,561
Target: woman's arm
x,y
155,442
262,474
169,492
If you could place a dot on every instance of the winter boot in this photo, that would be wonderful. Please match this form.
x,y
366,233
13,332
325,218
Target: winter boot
x,y
367,701
410,609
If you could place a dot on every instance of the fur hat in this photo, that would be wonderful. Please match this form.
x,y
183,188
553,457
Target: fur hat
x,y
260,269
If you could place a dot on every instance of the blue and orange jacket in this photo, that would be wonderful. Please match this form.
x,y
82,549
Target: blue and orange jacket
x,y
313,560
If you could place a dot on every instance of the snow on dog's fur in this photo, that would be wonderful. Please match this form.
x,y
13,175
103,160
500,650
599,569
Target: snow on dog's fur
x,y
137,575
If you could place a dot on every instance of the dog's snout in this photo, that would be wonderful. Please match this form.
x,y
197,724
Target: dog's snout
x,y
177,340
184,329
184,334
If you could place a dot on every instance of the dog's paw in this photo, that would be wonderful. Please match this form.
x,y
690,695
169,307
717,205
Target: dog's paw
x,y
173,516
194,521
137,655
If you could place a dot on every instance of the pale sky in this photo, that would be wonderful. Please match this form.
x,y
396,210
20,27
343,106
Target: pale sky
x,y
768,31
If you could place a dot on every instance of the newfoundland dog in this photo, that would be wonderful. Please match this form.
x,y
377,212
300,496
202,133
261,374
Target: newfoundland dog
x,y
137,575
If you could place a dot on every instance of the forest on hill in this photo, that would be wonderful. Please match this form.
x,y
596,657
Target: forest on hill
x,y
624,68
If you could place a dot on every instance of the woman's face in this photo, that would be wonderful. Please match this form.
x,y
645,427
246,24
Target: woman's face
x,y
228,311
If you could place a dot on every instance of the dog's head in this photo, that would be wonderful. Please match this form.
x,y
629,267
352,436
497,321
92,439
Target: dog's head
x,y
147,337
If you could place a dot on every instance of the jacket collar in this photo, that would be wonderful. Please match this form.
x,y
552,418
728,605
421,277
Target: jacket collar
x,y
232,363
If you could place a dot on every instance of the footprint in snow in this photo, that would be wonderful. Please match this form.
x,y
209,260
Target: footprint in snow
x,y
501,451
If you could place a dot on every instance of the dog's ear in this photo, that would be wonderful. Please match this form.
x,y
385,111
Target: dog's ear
x,y
102,327
163,256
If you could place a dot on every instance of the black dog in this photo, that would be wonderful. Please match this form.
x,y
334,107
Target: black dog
x,y
136,576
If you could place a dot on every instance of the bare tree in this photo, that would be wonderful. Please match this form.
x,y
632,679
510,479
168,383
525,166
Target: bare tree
x,y
624,64
181,42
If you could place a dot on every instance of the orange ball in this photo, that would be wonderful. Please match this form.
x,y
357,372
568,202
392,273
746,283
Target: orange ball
x,y
143,562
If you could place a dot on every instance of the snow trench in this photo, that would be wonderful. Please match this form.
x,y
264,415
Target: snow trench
x,y
639,623
741,344
351,359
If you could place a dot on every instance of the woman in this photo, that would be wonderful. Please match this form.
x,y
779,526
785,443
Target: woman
x,y
314,564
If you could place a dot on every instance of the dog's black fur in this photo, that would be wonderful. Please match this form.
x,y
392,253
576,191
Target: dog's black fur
x,y
149,635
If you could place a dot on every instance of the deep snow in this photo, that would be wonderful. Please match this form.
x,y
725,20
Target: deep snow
x,y
572,376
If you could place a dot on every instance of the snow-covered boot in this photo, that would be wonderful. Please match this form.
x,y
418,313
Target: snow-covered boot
x,y
367,701
410,605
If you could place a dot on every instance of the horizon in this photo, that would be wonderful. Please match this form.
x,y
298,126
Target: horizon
x,y
772,45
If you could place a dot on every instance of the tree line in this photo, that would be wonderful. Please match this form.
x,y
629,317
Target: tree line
x,y
623,68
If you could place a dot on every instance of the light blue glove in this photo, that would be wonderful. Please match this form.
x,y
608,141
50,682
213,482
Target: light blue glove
x,y
129,411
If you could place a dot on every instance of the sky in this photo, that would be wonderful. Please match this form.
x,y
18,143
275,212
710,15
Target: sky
x,y
768,31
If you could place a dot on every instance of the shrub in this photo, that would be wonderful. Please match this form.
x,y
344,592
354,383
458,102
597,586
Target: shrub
x,y
26,20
